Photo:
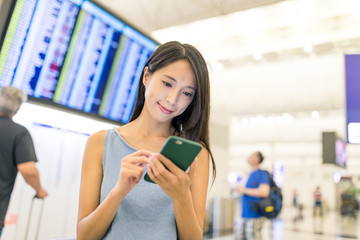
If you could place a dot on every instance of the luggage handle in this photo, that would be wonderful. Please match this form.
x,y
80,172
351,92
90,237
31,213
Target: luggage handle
x,y
29,218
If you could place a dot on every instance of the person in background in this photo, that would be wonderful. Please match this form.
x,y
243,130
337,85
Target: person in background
x,y
297,205
257,186
115,201
17,151
295,198
317,201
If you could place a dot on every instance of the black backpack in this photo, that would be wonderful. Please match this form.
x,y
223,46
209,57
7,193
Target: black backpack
x,y
270,207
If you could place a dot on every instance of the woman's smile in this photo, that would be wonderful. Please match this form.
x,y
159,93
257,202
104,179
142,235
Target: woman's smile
x,y
164,109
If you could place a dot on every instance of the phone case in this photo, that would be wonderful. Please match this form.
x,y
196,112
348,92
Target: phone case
x,y
180,151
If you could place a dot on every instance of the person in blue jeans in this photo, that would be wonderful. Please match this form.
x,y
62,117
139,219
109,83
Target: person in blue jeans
x,y
257,186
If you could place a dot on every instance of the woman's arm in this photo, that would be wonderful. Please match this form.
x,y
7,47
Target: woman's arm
x,y
190,214
89,225
94,218
187,190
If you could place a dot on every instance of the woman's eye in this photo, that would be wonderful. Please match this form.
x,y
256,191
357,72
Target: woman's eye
x,y
188,94
166,84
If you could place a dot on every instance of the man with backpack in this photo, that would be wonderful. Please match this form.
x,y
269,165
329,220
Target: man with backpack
x,y
256,188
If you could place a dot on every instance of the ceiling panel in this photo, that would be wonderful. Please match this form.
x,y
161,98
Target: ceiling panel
x,y
150,15
287,86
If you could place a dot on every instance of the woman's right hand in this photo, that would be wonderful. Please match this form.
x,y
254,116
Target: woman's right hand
x,y
132,169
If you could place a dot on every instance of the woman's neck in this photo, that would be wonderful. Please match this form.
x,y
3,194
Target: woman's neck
x,y
147,126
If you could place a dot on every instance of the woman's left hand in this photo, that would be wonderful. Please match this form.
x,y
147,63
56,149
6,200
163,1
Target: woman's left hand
x,y
173,180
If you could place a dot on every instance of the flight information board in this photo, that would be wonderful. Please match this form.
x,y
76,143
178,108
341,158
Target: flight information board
x,y
75,54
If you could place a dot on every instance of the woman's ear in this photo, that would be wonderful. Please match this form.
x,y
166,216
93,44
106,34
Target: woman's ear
x,y
146,75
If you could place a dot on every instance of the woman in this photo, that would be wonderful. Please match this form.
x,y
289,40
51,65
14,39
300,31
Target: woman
x,y
115,200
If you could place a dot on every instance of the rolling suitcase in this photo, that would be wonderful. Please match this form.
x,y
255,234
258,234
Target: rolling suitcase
x,y
39,218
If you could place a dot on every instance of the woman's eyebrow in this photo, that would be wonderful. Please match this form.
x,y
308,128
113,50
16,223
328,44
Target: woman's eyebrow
x,y
173,79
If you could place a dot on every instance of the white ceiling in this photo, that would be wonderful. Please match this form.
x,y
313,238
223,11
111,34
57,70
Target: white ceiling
x,y
157,14
301,44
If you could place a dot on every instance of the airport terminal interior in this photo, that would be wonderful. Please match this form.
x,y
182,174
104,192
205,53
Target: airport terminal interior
x,y
285,80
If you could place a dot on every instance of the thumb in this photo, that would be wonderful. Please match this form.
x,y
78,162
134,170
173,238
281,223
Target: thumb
x,y
193,168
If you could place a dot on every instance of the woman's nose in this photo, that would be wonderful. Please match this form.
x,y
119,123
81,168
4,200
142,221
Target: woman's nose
x,y
172,96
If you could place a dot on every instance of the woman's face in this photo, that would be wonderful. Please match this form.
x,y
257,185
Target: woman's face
x,y
169,90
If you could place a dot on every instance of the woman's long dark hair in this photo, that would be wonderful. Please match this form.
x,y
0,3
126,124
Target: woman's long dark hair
x,y
193,123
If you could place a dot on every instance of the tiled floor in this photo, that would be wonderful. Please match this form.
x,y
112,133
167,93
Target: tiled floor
x,y
332,226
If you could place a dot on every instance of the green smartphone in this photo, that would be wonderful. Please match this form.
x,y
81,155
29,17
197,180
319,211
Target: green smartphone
x,y
180,151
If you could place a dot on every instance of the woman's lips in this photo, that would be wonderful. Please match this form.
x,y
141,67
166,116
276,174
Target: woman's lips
x,y
164,109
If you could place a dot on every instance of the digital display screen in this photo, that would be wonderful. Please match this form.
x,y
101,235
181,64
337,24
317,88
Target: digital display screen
x,y
340,151
334,149
75,54
278,173
352,80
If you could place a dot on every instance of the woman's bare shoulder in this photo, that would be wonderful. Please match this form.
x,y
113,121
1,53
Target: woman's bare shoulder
x,y
97,137
95,147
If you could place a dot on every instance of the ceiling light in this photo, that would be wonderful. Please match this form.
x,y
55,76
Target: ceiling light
x,y
315,114
216,66
308,48
257,56
287,117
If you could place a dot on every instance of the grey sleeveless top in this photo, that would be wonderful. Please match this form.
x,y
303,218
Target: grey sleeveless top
x,y
146,212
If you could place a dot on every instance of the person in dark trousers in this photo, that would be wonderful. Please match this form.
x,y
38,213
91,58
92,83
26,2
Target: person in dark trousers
x,y
17,151
257,186
317,201
295,198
